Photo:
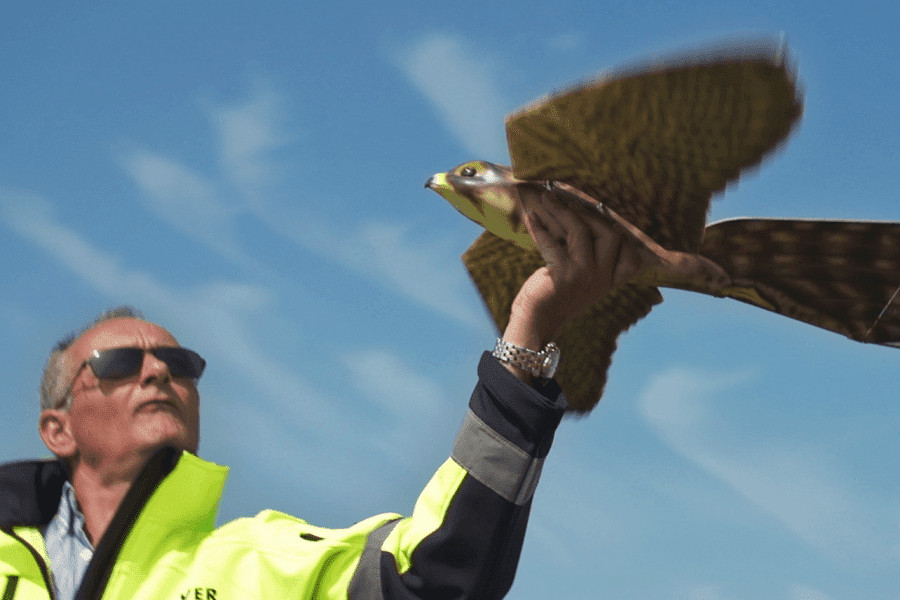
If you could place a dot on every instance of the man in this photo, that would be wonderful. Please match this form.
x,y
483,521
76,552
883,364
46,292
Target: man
x,y
127,511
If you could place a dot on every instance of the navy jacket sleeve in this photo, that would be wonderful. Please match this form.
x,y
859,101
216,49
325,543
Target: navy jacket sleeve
x,y
465,535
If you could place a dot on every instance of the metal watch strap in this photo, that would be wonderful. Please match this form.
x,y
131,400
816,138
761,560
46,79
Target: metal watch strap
x,y
540,364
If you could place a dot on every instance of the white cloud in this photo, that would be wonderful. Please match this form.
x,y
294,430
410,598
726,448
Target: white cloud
x,y
212,313
412,406
566,41
706,591
176,188
186,201
803,592
784,477
416,268
710,591
285,414
33,217
249,132
462,85
393,385
407,261
399,257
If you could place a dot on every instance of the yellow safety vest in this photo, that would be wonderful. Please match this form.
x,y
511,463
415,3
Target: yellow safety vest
x,y
462,540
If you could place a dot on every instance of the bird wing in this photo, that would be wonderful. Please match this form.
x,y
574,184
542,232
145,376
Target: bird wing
x,y
839,275
654,142
499,268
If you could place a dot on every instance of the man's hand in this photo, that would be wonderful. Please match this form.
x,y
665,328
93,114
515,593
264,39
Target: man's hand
x,y
587,255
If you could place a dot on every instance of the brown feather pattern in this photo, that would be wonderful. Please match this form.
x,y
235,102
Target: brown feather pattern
x,y
654,143
499,268
838,275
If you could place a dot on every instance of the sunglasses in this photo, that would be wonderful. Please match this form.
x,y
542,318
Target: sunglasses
x,y
118,363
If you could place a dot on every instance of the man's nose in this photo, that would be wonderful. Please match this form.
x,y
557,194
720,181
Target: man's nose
x,y
154,369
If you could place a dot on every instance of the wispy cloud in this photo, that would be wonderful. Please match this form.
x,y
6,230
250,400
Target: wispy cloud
x,y
567,41
404,393
803,592
406,260
249,133
214,313
784,477
461,83
391,252
418,268
410,261
284,415
409,405
187,201
33,217
709,591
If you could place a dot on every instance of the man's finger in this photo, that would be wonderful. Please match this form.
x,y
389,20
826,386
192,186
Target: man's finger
x,y
547,243
548,208
568,224
608,253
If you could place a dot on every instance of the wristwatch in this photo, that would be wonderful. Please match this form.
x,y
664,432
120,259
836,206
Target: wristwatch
x,y
540,364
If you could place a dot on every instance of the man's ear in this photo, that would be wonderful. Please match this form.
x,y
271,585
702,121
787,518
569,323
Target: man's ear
x,y
57,433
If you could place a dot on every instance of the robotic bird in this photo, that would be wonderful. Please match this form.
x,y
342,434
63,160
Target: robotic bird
x,y
648,148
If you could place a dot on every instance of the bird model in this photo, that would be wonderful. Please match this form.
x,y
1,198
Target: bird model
x,y
648,147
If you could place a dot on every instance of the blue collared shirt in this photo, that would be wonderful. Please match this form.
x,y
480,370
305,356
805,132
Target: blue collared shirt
x,y
68,546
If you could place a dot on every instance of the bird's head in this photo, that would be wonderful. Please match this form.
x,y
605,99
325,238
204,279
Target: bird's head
x,y
488,194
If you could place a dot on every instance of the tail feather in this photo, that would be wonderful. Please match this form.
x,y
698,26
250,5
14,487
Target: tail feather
x,y
838,275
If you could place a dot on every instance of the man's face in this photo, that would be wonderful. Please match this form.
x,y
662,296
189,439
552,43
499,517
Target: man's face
x,y
120,420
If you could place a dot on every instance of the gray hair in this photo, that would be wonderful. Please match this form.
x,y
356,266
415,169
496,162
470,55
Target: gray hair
x,y
54,387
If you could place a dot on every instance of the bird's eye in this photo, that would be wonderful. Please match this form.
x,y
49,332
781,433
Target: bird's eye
x,y
467,171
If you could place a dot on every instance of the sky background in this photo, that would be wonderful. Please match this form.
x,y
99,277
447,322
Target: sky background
x,y
249,174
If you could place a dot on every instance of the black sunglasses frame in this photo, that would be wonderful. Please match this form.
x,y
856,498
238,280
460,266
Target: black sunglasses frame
x,y
119,363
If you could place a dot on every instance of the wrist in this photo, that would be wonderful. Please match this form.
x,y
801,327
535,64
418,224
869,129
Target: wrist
x,y
527,330
519,333
528,364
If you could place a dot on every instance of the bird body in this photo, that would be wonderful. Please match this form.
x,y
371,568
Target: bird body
x,y
490,195
647,149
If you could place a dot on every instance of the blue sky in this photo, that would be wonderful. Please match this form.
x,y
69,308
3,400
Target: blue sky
x,y
250,175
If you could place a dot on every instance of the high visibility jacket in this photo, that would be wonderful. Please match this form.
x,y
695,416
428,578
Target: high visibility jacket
x,y
462,541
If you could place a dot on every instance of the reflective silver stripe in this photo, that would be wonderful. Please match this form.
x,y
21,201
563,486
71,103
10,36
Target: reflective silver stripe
x,y
495,461
366,581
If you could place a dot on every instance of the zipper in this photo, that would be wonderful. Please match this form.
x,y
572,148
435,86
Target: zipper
x,y
101,566
322,572
13,582
93,585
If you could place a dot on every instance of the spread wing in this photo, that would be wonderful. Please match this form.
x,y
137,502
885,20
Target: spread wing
x,y
839,275
499,268
655,142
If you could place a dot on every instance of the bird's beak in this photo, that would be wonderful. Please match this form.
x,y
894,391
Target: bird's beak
x,y
438,182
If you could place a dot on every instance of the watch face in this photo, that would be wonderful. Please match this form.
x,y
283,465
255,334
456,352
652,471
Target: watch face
x,y
551,361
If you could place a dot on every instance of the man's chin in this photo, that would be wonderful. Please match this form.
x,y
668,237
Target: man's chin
x,y
169,430
179,442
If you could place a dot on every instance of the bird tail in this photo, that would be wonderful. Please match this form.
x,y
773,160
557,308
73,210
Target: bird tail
x,y
843,276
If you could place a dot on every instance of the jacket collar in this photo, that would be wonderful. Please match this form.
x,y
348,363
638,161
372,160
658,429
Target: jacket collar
x,y
174,490
164,498
30,491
